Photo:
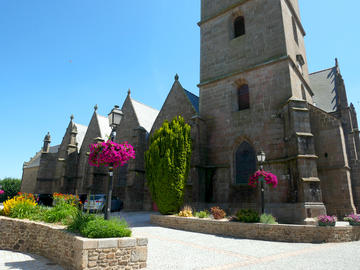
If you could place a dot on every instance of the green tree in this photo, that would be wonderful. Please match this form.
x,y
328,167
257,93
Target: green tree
x,y
167,164
11,187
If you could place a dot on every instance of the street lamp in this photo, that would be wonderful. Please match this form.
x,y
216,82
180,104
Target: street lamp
x,y
261,159
115,117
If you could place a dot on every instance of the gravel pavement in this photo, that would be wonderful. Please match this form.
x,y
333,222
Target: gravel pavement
x,y
170,249
10,260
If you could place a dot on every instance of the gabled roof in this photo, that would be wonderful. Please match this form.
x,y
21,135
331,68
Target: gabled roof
x,y
35,161
194,100
81,131
145,114
323,84
104,127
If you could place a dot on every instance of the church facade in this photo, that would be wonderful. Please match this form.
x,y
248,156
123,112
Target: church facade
x,y
256,94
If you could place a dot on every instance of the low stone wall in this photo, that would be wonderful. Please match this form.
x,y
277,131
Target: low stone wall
x,y
71,251
278,232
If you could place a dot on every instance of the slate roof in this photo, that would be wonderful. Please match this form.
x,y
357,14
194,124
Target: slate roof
x,y
323,84
105,129
35,161
193,99
81,129
145,114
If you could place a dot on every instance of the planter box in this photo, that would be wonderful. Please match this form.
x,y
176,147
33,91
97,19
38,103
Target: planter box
x,y
71,251
324,224
276,232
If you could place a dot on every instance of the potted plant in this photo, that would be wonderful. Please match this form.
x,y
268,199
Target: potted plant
x,y
354,219
324,220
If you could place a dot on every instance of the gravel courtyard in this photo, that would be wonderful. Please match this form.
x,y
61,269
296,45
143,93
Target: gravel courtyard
x,y
170,249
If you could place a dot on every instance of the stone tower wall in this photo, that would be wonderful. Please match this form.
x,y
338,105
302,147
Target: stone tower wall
x,y
333,165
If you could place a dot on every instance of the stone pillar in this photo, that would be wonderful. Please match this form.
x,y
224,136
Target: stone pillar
x,y
302,162
135,176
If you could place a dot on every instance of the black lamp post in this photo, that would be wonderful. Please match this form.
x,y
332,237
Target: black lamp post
x,y
261,159
115,117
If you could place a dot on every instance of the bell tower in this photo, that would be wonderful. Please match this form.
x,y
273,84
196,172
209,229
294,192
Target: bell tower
x,y
254,91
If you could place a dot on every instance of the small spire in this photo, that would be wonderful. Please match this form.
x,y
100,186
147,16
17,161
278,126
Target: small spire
x,y
71,117
336,62
129,92
176,77
95,107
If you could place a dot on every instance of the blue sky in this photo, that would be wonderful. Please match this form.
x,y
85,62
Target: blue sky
x,y
62,57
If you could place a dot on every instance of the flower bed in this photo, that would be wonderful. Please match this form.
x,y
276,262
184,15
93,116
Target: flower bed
x,y
276,232
69,250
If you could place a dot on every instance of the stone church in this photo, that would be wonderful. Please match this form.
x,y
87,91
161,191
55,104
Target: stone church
x,y
256,94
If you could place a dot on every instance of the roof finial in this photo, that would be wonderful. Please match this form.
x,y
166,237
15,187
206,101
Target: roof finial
x,y
176,77
95,107
129,92
336,62
71,117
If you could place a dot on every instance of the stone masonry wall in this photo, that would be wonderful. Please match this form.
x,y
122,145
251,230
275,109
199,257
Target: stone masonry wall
x,y
70,251
333,166
28,182
278,232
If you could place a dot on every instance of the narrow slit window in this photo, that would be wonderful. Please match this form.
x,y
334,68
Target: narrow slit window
x,y
239,27
243,97
296,37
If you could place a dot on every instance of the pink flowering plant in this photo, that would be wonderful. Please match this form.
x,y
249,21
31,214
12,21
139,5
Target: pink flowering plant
x,y
110,154
269,178
353,219
1,192
325,220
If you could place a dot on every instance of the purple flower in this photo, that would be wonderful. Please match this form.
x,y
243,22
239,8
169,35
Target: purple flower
x,y
327,219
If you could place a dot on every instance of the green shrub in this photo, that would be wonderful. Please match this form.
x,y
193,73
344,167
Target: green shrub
x,y
79,221
100,228
267,219
60,213
202,214
217,212
167,164
248,216
23,210
11,187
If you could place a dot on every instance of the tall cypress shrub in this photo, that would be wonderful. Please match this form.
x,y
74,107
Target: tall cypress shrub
x,y
167,164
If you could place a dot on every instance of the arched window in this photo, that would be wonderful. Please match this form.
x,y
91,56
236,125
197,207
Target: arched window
x,y
239,26
243,97
245,163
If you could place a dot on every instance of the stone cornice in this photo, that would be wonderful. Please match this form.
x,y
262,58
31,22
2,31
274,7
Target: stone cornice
x,y
270,61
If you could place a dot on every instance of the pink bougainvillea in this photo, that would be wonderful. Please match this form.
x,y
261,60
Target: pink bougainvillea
x,y
269,178
110,154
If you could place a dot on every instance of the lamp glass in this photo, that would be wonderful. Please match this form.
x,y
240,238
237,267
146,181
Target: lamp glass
x,y
115,116
261,156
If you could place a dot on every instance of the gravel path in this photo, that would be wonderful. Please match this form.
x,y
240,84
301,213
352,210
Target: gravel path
x,y
170,249
10,260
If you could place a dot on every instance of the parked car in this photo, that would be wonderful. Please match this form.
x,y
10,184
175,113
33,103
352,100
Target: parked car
x,y
97,203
